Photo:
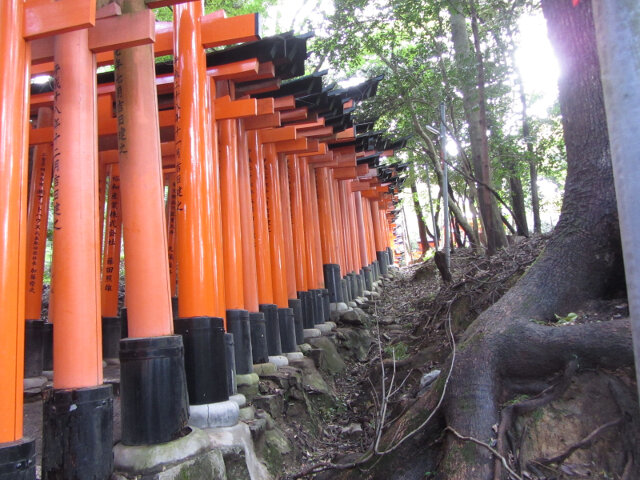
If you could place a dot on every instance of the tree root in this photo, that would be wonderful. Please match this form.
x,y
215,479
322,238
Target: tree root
x,y
543,398
499,457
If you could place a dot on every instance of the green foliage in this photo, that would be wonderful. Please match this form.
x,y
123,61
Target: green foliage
x,y
410,44
231,8
400,349
569,318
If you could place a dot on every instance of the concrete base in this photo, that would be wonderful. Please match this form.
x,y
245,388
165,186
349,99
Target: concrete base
x,y
352,305
238,451
294,356
239,398
338,307
261,369
212,415
247,379
325,328
34,383
187,457
278,360
311,333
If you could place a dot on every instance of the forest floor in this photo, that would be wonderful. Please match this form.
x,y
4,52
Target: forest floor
x,y
408,324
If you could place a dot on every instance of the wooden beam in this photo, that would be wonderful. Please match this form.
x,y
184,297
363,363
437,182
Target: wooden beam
x,y
218,31
43,18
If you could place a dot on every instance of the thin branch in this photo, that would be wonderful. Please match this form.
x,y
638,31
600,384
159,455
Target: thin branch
x,y
488,447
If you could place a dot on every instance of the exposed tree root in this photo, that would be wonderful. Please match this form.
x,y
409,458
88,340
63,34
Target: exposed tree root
x,y
499,457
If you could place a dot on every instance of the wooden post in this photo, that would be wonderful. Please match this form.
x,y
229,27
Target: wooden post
x,y
14,80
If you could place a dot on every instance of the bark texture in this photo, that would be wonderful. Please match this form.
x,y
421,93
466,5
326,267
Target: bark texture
x,y
581,262
474,108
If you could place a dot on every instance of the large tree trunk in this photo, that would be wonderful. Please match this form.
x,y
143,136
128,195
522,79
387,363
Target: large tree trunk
x,y
581,261
517,205
474,108
422,228
531,158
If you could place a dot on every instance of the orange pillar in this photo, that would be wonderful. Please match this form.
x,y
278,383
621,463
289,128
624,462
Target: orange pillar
x,y
111,257
316,228
213,189
147,285
77,343
327,234
336,210
14,79
354,228
371,245
199,235
287,229
260,222
38,215
194,242
249,277
362,234
229,194
377,226
276,237
298,224
311,228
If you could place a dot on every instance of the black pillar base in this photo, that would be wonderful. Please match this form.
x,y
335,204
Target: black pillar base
x,y
33,348
326,308
77,434
351,284
360,283
174,307
111,331
383,261
230,355
296,305
306,299
287,330
124,322
274,345
259,350
390,258
153,390
375,269
18,460
238,324
205,362
345,290
318,309
332,281
368,278
47,347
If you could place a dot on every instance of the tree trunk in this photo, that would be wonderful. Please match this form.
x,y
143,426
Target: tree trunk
x,y
474,108
581,261
422,228
517,205
531,158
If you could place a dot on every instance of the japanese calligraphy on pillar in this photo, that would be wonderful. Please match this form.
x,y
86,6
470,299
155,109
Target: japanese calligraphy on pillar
x,y
112,252
172,223
57,122
178,140
42,170
121,128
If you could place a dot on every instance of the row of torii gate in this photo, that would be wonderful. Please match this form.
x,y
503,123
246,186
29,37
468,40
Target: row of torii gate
x,y
247,199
